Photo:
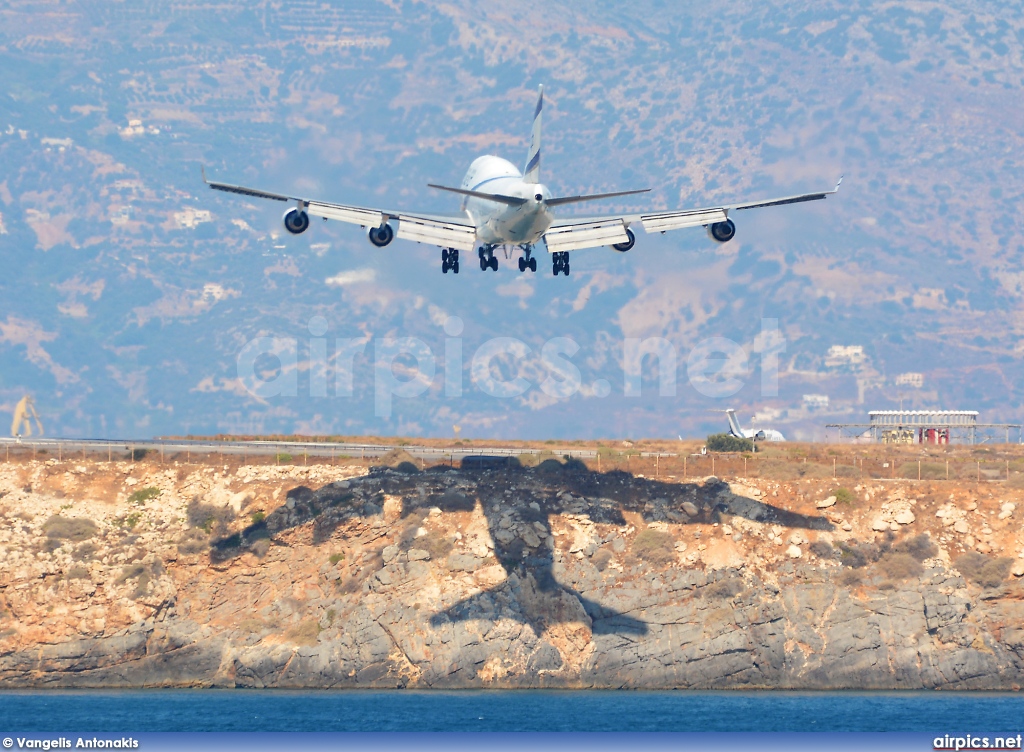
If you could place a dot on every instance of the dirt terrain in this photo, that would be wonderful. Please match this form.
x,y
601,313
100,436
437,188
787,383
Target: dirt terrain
x,y
546,573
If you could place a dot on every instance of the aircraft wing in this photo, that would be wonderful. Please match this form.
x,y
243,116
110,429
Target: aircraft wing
x,y
574,233
446,230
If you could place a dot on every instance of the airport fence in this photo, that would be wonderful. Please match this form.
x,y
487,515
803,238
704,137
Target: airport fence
x,y
777,465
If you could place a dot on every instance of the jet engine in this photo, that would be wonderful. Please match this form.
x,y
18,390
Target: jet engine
x,y
628,244
723,232
381,236
295,221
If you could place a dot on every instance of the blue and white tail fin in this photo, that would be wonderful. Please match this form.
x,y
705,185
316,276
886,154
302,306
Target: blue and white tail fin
x,y
532,172
734,424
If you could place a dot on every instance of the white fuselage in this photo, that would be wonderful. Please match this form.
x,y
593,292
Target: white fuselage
x,y
502,224
765,434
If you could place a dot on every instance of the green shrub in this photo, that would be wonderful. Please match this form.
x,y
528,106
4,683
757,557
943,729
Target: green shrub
x,y
283,457
983,570
138,454
725,442
654,546
143,495
74,529
335,558
129,521
257,517
843,495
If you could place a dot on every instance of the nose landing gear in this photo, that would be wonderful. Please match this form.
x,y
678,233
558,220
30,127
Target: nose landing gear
x,y
527,261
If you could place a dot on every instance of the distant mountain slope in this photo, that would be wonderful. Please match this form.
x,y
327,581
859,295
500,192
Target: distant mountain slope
x,y
130,290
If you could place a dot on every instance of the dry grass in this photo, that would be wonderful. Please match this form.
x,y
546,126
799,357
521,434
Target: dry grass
x,y
897,566
73,529
654,546
304,633
983,570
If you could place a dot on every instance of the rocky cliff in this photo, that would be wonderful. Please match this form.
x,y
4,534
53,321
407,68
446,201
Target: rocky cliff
x,y
135,574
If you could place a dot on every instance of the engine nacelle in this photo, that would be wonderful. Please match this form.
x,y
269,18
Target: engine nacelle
x,y
296,222
628,245
723,232
381,236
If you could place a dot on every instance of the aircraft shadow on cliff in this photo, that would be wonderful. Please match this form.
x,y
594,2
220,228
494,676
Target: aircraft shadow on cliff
x,y
534,595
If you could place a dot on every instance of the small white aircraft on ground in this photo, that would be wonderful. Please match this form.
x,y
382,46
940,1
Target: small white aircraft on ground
x,y
503,207
765,434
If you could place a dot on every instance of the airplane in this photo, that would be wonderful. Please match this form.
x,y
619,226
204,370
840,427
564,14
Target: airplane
x,y
503,207
765,434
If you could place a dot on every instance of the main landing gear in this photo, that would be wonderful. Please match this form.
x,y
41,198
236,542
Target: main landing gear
x,y
487,258
450,260
527,261
560,263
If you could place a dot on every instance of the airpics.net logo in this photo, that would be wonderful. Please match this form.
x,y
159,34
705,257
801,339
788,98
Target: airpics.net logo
x,y
959,743
501,367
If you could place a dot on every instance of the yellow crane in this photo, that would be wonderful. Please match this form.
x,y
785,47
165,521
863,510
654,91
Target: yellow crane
x,y
24,414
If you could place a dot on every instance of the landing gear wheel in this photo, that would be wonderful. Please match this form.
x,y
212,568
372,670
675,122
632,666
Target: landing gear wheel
x,y
522,264
533,265
449,260
494,263
560,263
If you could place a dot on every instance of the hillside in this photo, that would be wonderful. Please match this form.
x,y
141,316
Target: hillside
x,y
131,289
130,574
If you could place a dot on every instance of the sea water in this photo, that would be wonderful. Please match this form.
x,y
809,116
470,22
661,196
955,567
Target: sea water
x,y
520,710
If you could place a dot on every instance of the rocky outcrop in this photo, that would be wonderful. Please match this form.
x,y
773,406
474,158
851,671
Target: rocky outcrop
x,y
547,577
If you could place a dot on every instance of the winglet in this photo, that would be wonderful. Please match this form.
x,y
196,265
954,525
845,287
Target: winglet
x,y
202,171
838,183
